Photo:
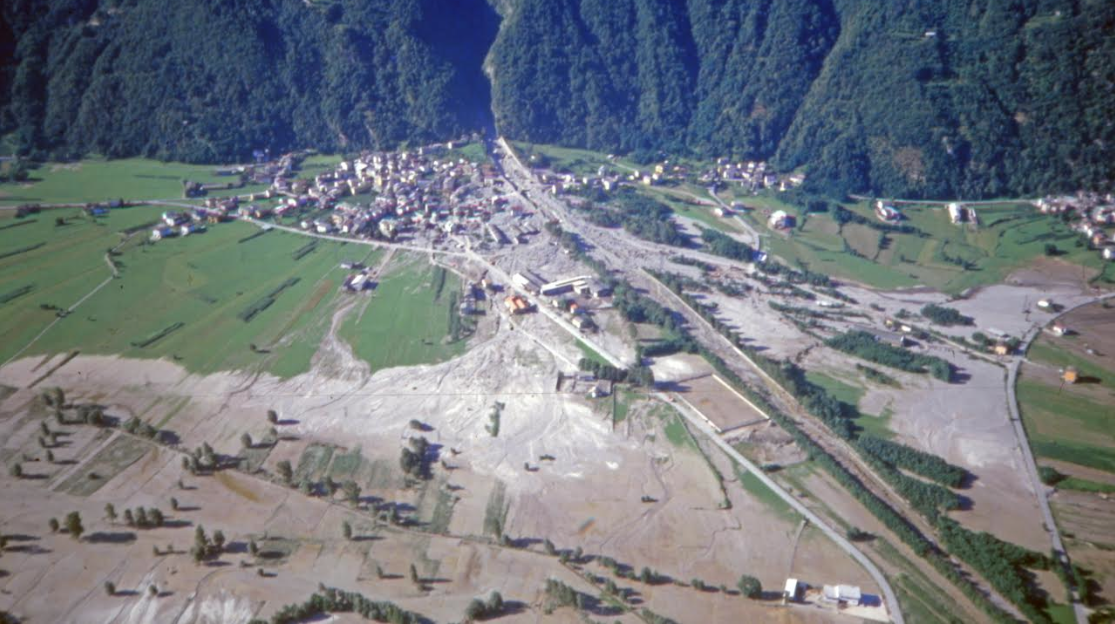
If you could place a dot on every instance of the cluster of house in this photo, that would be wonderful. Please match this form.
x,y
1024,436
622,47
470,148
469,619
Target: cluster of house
x,y
1096,212
554,294
413,191
753,175
183,223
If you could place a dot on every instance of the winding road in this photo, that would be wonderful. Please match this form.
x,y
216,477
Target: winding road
x,y
1040,489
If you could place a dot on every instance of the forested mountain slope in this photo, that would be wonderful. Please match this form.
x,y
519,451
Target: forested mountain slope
x,y
909,97
901,97
211,80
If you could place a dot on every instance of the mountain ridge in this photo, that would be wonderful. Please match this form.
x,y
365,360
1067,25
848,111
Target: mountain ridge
x,y
974,98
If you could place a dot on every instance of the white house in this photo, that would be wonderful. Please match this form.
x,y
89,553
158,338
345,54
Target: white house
x,y
843,594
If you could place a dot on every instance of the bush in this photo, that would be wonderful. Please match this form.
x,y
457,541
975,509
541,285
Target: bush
x,y
750,587
941,315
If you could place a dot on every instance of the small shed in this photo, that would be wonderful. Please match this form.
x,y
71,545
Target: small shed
x,y
1070,375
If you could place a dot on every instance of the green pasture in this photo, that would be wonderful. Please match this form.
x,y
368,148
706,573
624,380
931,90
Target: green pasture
x,y
202,281
407,321
950,258
1067,426
96,180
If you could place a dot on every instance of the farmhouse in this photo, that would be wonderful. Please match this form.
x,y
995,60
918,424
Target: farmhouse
x,y
886,212
780,220
842,594
957,213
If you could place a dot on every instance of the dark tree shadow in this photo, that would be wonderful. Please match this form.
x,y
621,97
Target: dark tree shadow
x,y
111,537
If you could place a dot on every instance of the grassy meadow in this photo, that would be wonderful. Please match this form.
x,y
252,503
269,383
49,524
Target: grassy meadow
x,y
408,320
186,298
1074,423
95,180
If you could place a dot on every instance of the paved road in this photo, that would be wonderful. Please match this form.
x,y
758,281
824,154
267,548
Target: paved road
x,y
932,202
358,241
698,422
1043,491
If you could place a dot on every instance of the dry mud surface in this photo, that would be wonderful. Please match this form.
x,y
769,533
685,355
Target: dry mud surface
x,y
588,496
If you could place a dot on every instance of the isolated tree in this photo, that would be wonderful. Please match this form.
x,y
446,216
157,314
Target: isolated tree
x,y
475,610
219,541
246,440
286,473
352,491
50,456
550,548
272,417
413,574
253,548
416,424
379,572
495,603
110,512
153,590
346,530
16,471
110,588
73,525
53,524
750,586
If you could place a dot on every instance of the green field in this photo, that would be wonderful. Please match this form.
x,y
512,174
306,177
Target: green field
x,y
102,180
1067,426
408,320
473,152
202,281
185,298
1009,237
878,426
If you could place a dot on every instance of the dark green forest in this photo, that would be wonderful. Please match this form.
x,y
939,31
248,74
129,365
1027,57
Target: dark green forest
x,y
214,80
1003,97
917,98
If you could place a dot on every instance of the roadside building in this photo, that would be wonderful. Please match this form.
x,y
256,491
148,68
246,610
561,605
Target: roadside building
x,y
792,591
957,213
849,595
